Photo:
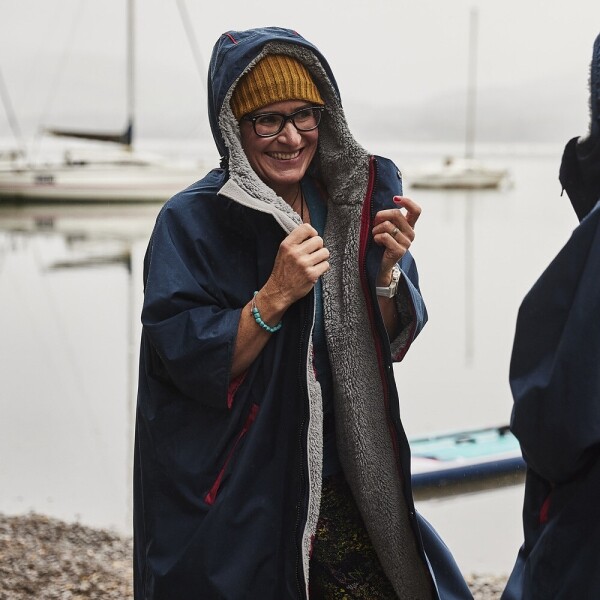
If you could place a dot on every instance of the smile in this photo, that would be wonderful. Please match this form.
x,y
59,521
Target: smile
x,y
284,155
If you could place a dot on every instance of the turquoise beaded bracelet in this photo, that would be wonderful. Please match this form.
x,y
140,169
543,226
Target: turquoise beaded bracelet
x,y
258,319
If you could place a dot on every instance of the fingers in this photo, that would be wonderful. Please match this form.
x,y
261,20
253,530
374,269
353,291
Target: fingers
x,y
413,210
394,227
394,248
304,240
394,230
301,233
301,260
408,212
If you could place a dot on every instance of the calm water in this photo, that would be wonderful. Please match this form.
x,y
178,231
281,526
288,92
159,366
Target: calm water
x,y
70,288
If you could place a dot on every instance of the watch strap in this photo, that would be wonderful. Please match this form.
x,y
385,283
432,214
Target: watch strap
x,y
390,291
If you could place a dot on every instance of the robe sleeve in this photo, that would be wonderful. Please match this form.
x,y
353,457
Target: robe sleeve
x,y
555,363
411,308
189,322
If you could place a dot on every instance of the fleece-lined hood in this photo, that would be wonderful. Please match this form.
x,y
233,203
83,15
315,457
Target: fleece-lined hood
x,y
235,52
580,167
341,164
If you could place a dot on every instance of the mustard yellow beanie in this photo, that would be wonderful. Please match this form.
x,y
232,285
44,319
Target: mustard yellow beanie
x,y
274,78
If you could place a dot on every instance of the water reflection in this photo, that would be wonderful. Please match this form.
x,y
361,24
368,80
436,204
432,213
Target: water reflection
x,y
469,257
71,288
91,222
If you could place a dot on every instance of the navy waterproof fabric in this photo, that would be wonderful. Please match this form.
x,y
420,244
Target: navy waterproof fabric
x,y
555,380
221,485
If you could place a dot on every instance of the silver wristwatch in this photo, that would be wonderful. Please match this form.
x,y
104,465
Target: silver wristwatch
x,y
390,290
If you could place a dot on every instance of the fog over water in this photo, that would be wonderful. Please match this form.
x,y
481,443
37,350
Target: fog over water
x,y
63,63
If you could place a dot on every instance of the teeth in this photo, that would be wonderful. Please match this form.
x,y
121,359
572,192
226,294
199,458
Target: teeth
x,y
284,155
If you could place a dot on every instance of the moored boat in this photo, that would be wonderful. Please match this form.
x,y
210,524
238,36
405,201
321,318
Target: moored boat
x,y
465,461
459,173
463,173
105,175
109,171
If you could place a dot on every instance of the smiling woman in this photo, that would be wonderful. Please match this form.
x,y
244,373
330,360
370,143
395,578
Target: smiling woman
x,y
280,144
270,459
282,158
280,141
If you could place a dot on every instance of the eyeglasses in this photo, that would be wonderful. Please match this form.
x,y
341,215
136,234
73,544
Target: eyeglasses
x,y
270,124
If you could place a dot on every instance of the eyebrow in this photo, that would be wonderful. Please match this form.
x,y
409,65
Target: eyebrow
x,y
272,112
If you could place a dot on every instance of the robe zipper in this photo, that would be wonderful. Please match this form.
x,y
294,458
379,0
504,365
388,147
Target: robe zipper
x,y
211,495
365,243
303,375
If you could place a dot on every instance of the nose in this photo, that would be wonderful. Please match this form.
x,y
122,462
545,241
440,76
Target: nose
x,y
289,134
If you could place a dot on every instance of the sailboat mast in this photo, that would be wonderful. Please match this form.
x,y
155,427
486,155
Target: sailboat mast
x,y
125,137
11,116
471,86
130,83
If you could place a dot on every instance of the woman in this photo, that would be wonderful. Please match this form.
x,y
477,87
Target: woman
x,y
268,427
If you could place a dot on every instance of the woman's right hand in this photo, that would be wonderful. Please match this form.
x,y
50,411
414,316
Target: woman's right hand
x,y
301,260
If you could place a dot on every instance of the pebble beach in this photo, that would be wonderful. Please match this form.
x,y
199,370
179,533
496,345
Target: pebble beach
x,y
46,559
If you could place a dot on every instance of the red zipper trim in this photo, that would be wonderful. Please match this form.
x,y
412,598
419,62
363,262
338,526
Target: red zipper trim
x,y
365,232
211,496
364,238
233,388
545,510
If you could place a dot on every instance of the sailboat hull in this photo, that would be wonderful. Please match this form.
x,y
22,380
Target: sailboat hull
x,y
132,181
458,175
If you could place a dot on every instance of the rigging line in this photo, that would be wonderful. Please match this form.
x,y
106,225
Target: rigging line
x,y
185,19
472,85
60,67
11,116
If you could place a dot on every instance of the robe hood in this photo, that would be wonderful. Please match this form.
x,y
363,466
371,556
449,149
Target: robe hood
x,y
580,167
340,164
237,51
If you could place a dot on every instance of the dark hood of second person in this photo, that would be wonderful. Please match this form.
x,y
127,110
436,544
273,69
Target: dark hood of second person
x,y
580,167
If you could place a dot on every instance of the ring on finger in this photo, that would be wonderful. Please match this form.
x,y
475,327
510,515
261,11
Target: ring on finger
x,y
394,232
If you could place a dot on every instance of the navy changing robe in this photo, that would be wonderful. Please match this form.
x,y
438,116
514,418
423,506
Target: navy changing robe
x,y
227,472
555,380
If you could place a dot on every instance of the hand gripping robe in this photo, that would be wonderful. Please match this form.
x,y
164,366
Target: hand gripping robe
x,y
227,475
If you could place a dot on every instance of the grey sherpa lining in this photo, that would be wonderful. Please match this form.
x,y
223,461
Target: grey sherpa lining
x,y
594,96
363,437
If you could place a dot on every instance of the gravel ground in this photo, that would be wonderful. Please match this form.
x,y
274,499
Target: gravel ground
x,y
46,559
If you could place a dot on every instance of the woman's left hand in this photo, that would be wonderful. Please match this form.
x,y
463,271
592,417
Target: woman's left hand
x,y
394,229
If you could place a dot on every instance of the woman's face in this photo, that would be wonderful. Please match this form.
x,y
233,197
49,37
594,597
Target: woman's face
x,y
282,160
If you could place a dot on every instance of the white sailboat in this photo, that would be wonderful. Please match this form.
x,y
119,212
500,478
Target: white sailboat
x,y
467,172
113,174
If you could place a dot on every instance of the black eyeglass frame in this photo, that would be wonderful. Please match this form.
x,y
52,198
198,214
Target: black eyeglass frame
x,y
285,118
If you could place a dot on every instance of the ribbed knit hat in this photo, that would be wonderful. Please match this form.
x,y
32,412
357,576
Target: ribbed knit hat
x,y
274,78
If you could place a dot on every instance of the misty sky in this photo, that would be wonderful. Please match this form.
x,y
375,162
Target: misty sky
x,y
63,60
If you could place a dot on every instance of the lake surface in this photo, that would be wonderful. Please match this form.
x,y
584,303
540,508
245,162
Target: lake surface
x,y
71,291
